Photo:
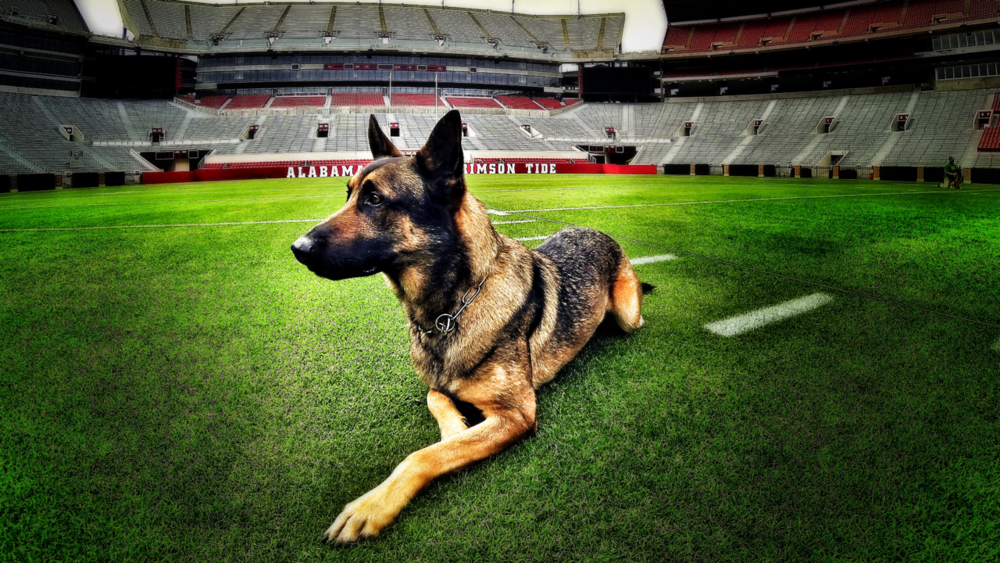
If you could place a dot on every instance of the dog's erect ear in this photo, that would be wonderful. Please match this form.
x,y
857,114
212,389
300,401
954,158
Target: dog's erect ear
x,y
380,144
441,158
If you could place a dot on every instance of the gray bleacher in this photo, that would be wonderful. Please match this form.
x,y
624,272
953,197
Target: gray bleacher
x,y
583,32
599,116
169,19
413,128
349,132
10,165
939,127
503,26
37,12
499,132
717,131
255,22
135,10
408,23
306,21
652,119
206,21
69,17
613,27
30,8
27,130
457,25
357,22
559,127
546,28
284,133
789,129
861,128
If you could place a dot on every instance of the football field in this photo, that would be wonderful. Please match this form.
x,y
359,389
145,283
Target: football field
x,y
818,379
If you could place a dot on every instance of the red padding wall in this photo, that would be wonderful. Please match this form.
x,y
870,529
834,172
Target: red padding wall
x,y
212,175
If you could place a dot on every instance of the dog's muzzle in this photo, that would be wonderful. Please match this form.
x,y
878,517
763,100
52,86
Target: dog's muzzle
x,y
315,255
304,250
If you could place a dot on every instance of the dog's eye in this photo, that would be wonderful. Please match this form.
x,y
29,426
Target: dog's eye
x,y
375,199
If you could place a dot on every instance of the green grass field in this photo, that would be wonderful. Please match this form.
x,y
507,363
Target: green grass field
x,y
174,386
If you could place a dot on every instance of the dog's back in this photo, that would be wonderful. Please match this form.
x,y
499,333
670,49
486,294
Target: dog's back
x,y
592,277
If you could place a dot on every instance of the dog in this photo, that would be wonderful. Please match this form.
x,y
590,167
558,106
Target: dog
x,y
490,321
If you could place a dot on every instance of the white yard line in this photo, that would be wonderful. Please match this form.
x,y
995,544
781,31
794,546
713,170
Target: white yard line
x,y
586,208
651,259
160,226
514,222
523,239
495,212
745,323
164,202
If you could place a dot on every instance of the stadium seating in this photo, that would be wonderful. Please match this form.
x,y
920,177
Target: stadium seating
x,y
456,102
836,23
991,140
427,100
939,127
249,102
859,21
299,102
549,103
169,19
213,102
357,100
518,102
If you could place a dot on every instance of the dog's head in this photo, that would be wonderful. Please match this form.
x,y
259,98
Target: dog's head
x,y
398,211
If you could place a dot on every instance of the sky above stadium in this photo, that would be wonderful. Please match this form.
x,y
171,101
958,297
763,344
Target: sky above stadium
x,y
645,20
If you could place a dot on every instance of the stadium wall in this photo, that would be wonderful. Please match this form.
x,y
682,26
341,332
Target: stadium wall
x,y
212,175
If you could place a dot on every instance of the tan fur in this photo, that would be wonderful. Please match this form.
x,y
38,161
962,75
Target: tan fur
x,y
626,299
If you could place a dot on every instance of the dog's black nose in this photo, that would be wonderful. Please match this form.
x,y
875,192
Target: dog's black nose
x,y
303,248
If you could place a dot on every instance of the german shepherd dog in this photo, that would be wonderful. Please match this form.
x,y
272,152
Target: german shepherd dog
x,y
490,321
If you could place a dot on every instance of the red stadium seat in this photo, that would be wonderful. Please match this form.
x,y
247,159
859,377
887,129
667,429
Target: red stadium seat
x,y
518,102
473,103
425,100
357,100
256,101
299,102
213,102
549,103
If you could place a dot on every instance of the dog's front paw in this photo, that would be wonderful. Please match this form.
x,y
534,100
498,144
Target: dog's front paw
x,y
363,518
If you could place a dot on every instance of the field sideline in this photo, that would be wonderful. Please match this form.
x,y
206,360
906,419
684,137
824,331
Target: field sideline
x,y
818,379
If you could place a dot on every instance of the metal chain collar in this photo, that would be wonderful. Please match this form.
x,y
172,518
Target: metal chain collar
x,y
445,322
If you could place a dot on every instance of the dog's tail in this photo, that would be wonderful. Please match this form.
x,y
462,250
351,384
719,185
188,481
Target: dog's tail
x,y
647,288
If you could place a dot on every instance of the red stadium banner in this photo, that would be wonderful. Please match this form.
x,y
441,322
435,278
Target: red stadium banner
x,y
333,171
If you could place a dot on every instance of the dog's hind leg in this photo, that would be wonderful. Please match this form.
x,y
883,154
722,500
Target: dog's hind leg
x,y
625,301
448,418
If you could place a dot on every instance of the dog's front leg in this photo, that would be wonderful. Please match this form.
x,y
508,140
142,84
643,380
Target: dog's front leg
x,y
449,420
509,417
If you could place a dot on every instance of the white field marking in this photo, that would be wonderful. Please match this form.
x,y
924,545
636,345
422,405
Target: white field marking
x,y
723,201
761,317
160,226
651,259
168,201
523,239
181,189
495,212
514,222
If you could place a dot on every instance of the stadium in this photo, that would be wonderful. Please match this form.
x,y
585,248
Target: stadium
x,y
816,378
